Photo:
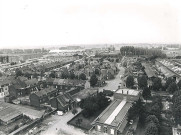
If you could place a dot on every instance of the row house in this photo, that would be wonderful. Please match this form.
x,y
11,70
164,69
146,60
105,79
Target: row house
x,y
32,85
42,96
66,84
108,73
63,102
101,81
4,87
18,89
21,87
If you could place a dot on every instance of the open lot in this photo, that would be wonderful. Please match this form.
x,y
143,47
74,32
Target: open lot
x,y
86,122
57,125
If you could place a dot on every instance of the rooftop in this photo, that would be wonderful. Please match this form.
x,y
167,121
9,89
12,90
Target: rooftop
x,y
128,92
7,112
148,70
115,113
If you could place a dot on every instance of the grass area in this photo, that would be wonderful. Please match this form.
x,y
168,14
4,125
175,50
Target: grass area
x,y
86,122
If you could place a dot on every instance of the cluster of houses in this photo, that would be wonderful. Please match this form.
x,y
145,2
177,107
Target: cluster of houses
x,y
21,86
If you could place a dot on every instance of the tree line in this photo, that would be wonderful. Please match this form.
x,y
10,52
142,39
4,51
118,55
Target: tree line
x,y
137,51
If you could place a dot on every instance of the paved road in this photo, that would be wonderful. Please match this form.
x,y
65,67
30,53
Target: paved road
x,y
113,84
59,125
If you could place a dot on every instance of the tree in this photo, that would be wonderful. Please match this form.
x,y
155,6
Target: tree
x,y
177,114
82,76
168,82
72,75
93,80
74,111
142,81
156,84
151,129
1,74
18,72
135,110
65,74
172,87
117,60
130,82
97,71
124,64
176,94
91,105
146,93
156,110
179,84
154,119
176,99
52,75
157,99
27,75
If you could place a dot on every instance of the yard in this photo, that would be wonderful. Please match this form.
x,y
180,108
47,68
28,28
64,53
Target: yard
x,y
85,123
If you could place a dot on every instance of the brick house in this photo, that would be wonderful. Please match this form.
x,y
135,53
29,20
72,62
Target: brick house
x,y
18,88
63,102
4,87
66,84
32,85
42,96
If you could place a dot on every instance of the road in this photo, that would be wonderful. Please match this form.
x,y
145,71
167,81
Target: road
x,y
113,84
59,125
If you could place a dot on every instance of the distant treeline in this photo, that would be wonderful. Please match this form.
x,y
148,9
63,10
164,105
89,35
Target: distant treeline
x,y
132,51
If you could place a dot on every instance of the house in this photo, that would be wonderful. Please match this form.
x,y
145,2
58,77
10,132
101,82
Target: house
x,y
49,81
8,114
108,73
101,81
58,74
18,88
63,102
66,84
42,96
4,87
32,85
113,119
128,94
84,94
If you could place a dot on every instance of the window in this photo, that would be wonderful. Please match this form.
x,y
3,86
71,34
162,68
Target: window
x,y
105,129
112,131
98,128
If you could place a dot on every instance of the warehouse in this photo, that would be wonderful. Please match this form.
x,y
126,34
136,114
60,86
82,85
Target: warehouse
x,y
113,119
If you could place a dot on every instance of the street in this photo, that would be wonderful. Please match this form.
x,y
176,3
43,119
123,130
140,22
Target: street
x,y
113,84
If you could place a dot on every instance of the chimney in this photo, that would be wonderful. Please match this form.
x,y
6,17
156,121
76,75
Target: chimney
x,y
127,92
122,91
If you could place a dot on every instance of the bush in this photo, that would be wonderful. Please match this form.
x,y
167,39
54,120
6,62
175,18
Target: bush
x,y
74,111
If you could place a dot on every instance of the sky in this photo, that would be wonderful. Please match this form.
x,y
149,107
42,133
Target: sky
x,y
47,23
